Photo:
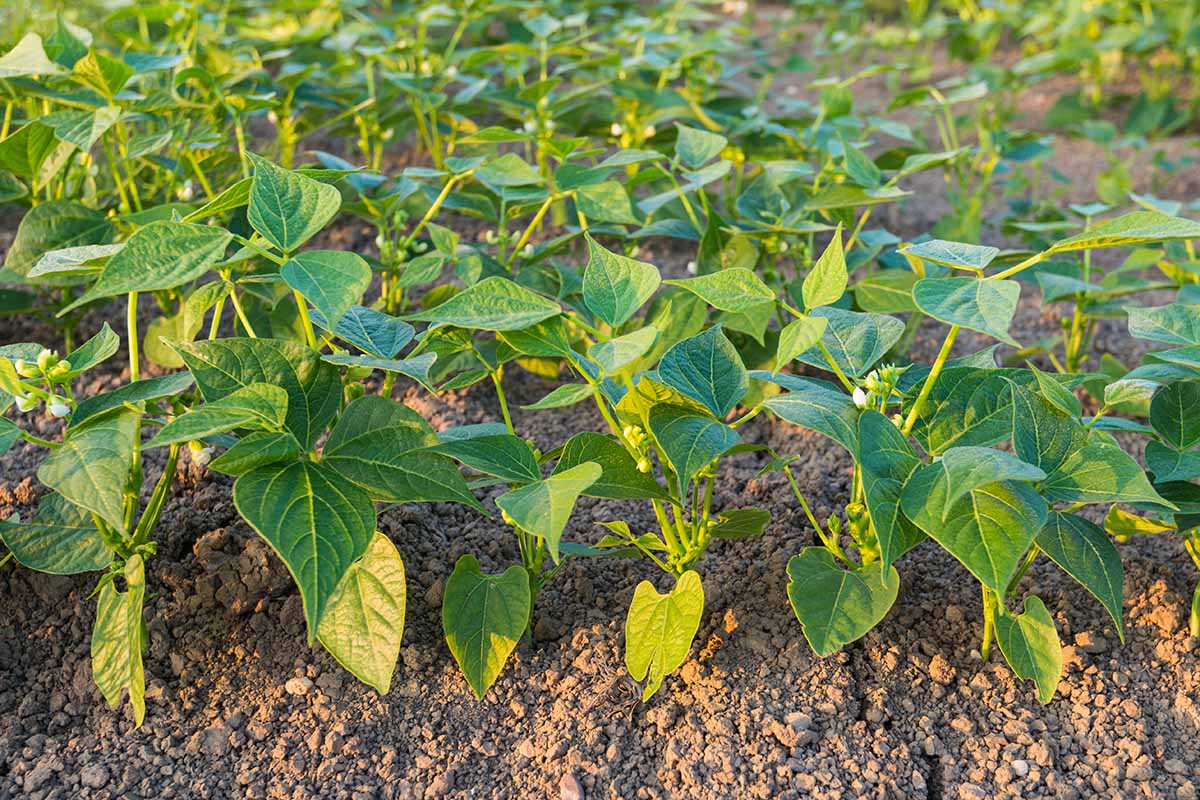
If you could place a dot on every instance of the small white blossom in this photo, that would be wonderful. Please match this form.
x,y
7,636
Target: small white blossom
x,y
649,131
860,397
616,129
530,126
202,456
58,407
27,403
691,267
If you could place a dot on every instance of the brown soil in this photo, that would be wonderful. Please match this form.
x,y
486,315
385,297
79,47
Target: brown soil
x,y
240,707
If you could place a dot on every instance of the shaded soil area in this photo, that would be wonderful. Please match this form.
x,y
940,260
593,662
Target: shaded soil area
x,y
240,707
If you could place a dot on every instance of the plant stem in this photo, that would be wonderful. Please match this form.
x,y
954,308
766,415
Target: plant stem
x,y
497,377
302,307
989,623
241,315
927,387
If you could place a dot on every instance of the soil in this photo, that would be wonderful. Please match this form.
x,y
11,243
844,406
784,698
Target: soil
x,y
240,707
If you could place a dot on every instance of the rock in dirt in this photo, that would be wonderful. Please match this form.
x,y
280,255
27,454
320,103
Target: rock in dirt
x,y
298,686
569,788
94,776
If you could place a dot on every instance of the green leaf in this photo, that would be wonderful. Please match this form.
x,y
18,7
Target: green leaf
x,y
616,354
659,629
161,255
695,147
118,639
493,304
961,470
614,286
619,478
1171,465
836,605
1030,645
854,339
92,464
689,440
860,168
952,254
736,290
502,455
989,529
605,202
1173,324
100,72
706,368
888,291
826,282
258,405
82,128
374,332
137,392
546,339
380,445
416,367
28,57
314,519
364,621
987,306
1100,472
1083,550
544,507
1138,227
56,225
567,394
483,617
287,208
740,523
1059,396
798,336
816,405
314,388
1175,414
61,540
886,461
332,280
254,450
508,170
24,152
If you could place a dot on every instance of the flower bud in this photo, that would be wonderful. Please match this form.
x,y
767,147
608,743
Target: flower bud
x,y
616,129
860,397
27,403
643,464
25,369
45,359
58,406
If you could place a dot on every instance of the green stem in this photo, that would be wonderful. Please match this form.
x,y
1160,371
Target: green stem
x,y
302,307
241,314
989,623
927,387
497,379
1016,579
150,516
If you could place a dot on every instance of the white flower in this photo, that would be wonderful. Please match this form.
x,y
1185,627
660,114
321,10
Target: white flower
x,y
273,118
58,407
616,129
44,359
860,397
530,126
186,192
202,456
691,267
27,403
649,131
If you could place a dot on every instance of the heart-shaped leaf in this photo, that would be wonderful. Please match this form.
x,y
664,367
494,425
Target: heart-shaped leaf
x,y
332,280
493,304
364,621
987,306
314,519
61,540
836,605
614,286
118,639
483,617
544,507
1083,550
287,208
706,368
659,629
91,466
689,440
1030,645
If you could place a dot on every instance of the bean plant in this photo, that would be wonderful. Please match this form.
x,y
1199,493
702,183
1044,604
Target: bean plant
x,y
227,185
